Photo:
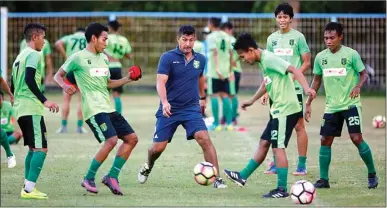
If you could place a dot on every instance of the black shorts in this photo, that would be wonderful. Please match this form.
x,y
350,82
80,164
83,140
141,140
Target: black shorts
x,y
279,130
332,123
116,73
217,85
107,125
34,131
300,98
237,81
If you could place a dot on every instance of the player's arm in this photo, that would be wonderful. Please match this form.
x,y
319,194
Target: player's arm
x,y
60,47
50,68
359,67
305,54
59,77
119,82
269,47
258,94
163,70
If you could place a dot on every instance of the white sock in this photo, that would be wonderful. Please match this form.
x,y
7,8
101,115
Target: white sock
x,y
25,181
29,186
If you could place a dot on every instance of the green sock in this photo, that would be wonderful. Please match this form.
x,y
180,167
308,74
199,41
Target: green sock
x,y
93,169
324,161
301,162
64,122
234,103
27,163
5,144
118,104
282,178
249,169
366,155
36,166
80,123
227,111
11,139
117,166
215,110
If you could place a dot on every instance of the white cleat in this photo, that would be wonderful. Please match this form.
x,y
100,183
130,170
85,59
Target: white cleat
x,y
81,130
143,174
219,183
11,161
62,130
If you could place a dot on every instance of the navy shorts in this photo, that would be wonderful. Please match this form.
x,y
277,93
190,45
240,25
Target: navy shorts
x,y
116,73
107,125
332,123
237,81
166,127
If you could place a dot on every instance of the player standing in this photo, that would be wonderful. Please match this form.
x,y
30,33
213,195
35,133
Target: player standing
x,y
290,45
67,46
342,71
180,82
118,47
27,73
285,111
90,68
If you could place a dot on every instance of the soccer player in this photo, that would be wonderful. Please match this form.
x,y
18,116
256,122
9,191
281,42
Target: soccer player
x,y
180,82
237,70
90,68
118,47
3,137
290,45
219,73
342,71
8,120
27,72
285,111
67,46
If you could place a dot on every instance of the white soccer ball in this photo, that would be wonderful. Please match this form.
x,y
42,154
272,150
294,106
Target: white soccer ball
x,y
205,173
303,192
379,122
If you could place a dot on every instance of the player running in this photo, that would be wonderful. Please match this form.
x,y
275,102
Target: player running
x,y
342,71
27,73
285,111
67,46
90,68
180,81
290,45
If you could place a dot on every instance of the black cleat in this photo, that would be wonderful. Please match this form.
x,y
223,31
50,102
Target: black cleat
x,y
322,183
276,193
235,177
373,180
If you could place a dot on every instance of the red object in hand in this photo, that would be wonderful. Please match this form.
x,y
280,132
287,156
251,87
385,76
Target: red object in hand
x,y
135,72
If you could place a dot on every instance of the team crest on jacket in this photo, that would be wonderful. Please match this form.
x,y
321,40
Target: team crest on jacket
x,y
196,64
291,42
344,61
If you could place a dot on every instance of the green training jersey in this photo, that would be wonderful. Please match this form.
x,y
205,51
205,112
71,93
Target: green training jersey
x,y
26,103
340,72
46,50
289,46
279,85
7,113
74,43
118,46
220,41
238,67
91,73
198,47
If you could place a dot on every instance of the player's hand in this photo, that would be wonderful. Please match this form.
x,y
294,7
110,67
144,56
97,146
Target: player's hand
x,y
308,112
355,92
52,106
246,104
69,89
265,99
167,110
232,77
310,92
203,105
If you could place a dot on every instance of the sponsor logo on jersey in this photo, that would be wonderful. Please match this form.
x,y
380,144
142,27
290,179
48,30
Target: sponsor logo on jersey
x,y
4,121
99,72
335,72
283,51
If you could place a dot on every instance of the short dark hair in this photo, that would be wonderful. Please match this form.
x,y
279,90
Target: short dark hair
x,y
215,21
227,25
186,30
244,42
285,8
30,28
94,29
334,26
80,29
114,24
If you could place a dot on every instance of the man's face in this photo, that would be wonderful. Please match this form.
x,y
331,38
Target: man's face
x,y
100,43
283,20
38,39
247,56
186,43
332,39
228,31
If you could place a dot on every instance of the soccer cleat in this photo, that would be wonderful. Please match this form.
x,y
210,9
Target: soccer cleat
x,y
219,183
35,194
11,161
62,130
373,181
235,177
276,193
322,183
215,128
89,185
81,130
112,184
143,174
272,169
300,172
229,128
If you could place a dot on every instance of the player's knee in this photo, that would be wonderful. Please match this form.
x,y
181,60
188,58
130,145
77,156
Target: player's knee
x,y
264,144
111,142
158,147
327,141
300,127
356,138
132,139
